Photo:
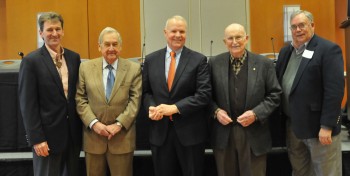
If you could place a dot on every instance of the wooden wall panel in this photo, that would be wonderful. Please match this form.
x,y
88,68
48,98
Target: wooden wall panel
x,y
340,16
21,24
266,21
122,15
3,37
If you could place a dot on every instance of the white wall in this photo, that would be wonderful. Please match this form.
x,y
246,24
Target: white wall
x,y
206,20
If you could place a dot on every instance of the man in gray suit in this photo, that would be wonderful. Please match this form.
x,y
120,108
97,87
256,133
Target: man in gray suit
x,y
245,93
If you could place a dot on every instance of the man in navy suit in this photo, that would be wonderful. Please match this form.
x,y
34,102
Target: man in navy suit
x,y
245,93
178,112
47,87
311,74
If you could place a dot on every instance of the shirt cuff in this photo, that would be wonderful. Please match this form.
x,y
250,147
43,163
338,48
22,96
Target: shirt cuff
x,y
92,123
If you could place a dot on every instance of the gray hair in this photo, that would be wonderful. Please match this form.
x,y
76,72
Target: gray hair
x,y
176,18
49,16
109,30
306,13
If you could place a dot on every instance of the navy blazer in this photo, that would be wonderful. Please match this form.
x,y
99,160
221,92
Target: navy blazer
x,y
263,96
47,113
191,93
318,88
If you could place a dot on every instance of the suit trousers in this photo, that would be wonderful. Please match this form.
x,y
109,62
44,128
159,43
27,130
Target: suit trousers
x,y
309,157
119,164
65,163
172,157
237,158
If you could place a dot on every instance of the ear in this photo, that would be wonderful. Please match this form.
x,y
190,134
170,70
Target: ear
x,y
99,47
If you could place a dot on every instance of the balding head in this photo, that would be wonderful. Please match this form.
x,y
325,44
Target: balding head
x,y
235,39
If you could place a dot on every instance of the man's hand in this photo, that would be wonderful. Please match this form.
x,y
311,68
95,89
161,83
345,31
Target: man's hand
x,y
112,130
223,117
100,129
41,149
246,118
325,136
154,114
167,110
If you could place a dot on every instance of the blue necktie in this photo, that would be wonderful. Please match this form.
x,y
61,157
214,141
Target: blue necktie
x,y
110,82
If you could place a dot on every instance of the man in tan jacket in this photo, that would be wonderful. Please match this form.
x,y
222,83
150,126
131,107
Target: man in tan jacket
x,y
108,99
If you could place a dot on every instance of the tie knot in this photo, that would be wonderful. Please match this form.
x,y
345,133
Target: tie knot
x,y
172,54
109,66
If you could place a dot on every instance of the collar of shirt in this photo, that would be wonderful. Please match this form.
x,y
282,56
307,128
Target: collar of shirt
x,y
168,59
52,53
177,56
302,47
114,64
240,59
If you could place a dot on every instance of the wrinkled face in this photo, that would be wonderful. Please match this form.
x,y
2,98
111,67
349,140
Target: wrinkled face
x,y
110,48
52,34
175,34
302,29
235,40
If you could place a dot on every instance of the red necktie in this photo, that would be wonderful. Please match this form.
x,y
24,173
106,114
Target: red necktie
x,y
171,74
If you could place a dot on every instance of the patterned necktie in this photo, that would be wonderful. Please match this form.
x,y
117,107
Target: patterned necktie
x,y
237,64
110,82
171,73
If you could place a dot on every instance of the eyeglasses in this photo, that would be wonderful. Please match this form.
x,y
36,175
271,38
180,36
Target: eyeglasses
x,y
301,26
108,45
235,38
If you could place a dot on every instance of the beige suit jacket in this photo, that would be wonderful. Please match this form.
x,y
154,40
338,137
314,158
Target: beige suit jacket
x,y
123,105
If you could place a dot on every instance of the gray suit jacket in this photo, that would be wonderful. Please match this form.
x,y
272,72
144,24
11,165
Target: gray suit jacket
x,y
263,96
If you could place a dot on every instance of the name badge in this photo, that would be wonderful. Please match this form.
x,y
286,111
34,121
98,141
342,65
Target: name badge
x,y
308,54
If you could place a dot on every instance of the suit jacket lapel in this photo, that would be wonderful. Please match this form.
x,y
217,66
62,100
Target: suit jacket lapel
x,y
96,74
52,68
181,66
120,75
70,73
225,65
304,62
252,77
161,71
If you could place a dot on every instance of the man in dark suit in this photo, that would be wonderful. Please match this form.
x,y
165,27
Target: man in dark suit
x,y
177,93
245,93
311,74
47,87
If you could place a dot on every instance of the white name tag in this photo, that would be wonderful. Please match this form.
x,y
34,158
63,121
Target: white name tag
x,y
308,54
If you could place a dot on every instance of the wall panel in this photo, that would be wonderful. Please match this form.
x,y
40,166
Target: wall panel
x,y
267,21
3,37
119,14
22,30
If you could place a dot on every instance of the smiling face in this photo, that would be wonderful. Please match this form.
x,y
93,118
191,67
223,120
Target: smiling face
x,y
302,29
235,40
175,33
52,34
109,47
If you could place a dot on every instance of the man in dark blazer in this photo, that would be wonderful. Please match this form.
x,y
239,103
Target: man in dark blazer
x,y
311,74
178,111
47,87
245,93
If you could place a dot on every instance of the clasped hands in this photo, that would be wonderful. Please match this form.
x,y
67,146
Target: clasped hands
x,y
246,119
106,130
158,112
